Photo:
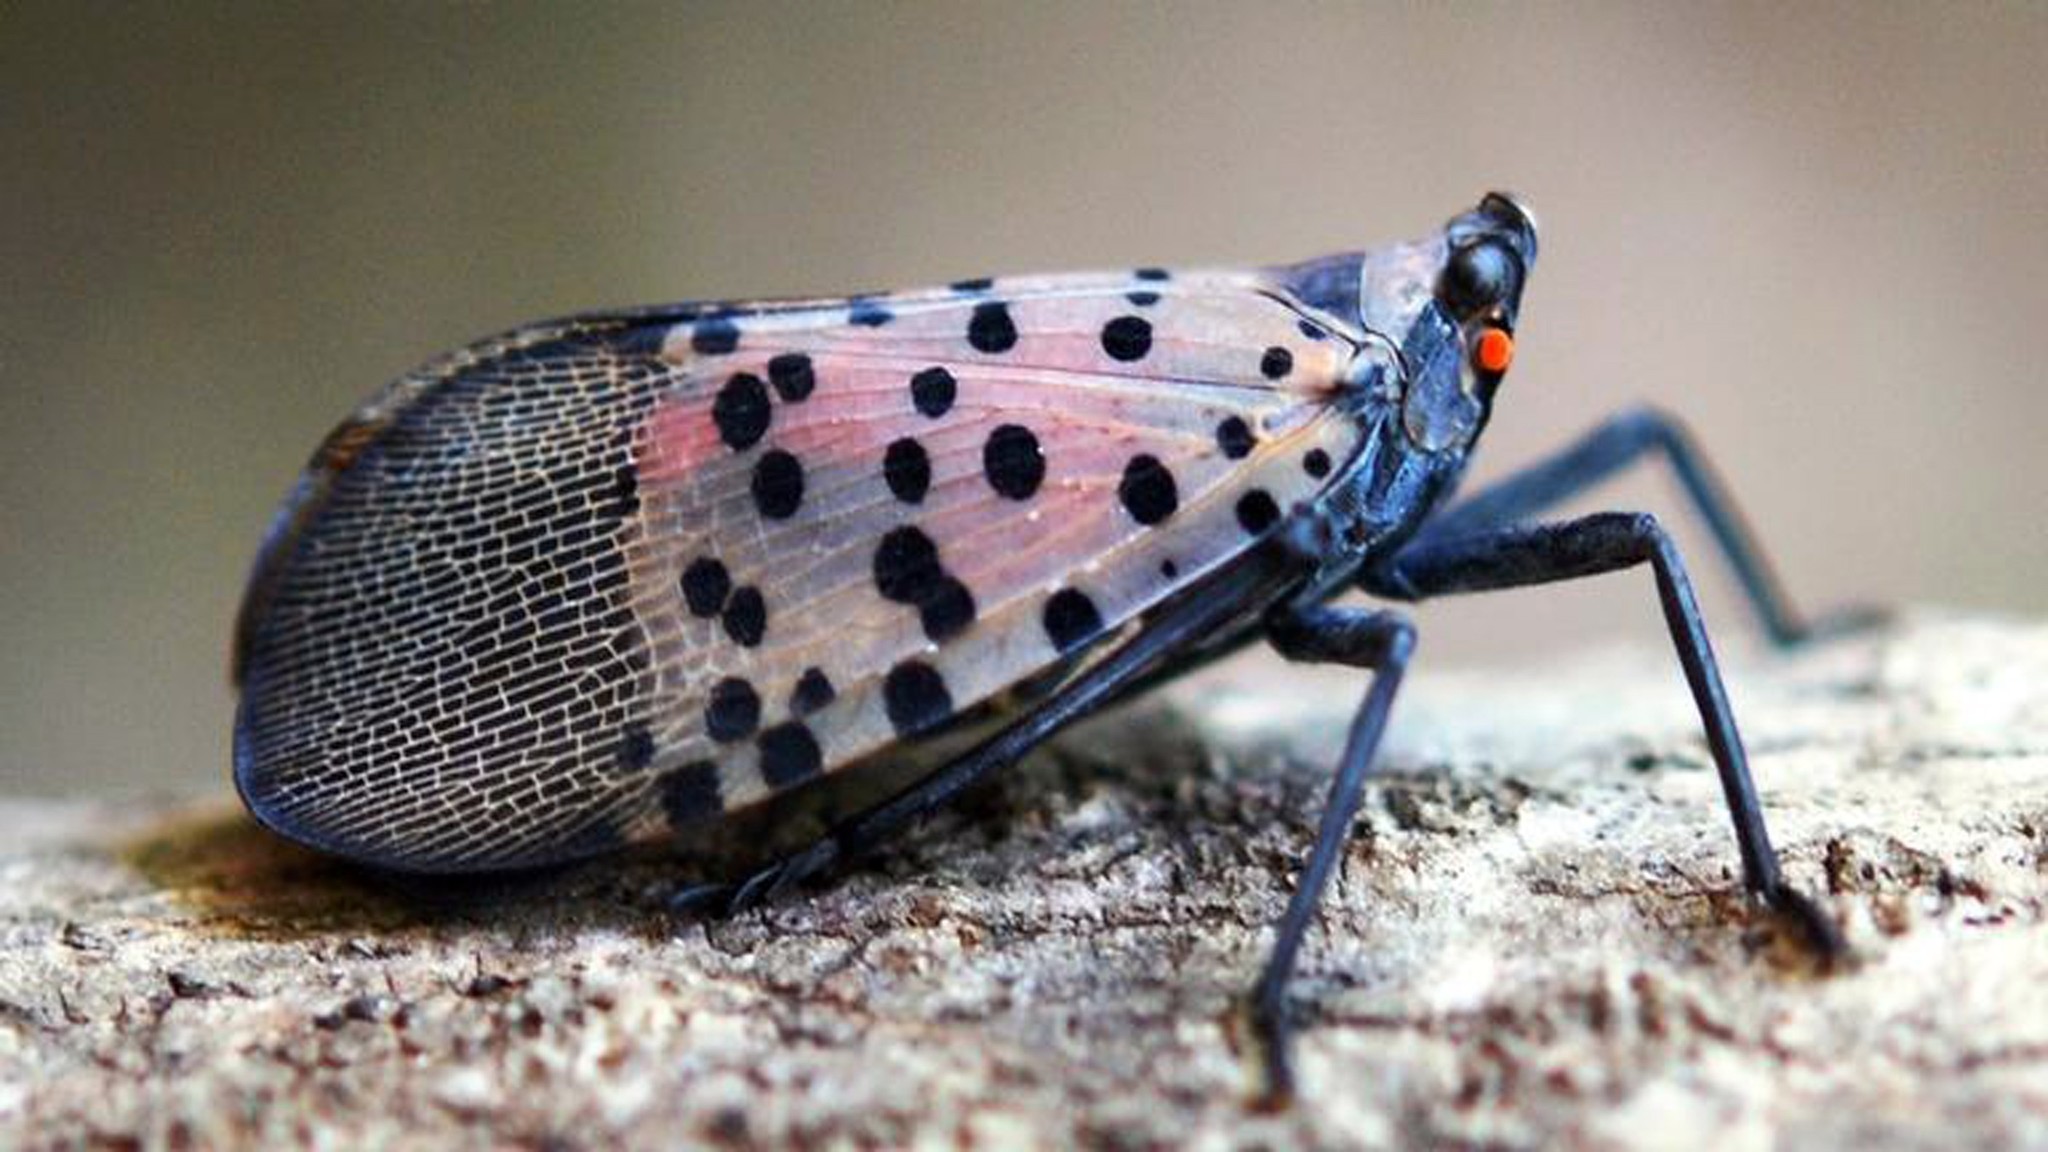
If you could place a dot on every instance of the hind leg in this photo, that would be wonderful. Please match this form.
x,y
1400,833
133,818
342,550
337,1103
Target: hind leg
x,y
1513,557
1618,443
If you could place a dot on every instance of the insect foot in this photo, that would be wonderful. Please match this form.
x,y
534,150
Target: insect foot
x,y
717,898
700,901
1816,929
1840,623
1260,1037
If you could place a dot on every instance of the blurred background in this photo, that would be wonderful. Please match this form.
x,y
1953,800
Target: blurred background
x,y
1820,232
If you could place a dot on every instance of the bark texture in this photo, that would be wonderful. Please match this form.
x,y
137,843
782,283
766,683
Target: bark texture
x,y
1537,939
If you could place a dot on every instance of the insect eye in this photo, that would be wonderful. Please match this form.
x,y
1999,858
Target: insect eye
x,y
1493,351
1476,276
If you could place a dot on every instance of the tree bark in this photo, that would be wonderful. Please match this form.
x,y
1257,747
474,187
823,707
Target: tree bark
x,y
1537,939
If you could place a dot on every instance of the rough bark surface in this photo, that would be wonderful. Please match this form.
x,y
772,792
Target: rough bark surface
x,y
1537,939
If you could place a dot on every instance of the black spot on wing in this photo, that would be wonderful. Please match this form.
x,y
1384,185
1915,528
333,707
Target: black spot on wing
x,y
1071,619
793,376
1127,338
1257,512
1277,362
868,314
706,584
907,570
789,754
1013,461
1234,436
990,329
932,392
715,336
691,794
1147,489
947,611
907,468
813,692
906,565
778,484
746,617
916,698
741,411
733,710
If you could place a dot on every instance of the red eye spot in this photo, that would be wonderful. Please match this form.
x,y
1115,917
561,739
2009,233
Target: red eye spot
x,y
1494,351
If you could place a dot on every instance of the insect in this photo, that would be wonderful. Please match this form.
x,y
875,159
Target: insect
x,y
618,576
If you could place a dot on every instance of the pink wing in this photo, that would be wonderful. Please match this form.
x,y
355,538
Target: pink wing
x,y
618,580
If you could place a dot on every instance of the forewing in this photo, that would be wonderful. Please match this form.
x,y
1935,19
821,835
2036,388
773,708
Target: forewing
x,y
631,579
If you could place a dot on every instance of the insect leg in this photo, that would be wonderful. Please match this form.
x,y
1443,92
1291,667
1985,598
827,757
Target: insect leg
x,y
1199,613
1615,444
1376,640
1606,542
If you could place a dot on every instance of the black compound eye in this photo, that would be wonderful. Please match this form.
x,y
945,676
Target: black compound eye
x,y
1476,277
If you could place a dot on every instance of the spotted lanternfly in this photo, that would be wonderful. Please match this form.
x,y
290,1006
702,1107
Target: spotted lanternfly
x,y
618,576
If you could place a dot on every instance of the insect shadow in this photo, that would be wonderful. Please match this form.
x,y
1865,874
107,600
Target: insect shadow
x,y
238,881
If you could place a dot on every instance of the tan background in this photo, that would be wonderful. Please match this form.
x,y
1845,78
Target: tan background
x,y
1820,234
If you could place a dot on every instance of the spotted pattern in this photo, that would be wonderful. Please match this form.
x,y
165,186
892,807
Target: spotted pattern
x,y
706,584
733,711
1277,362
1013,461
793,377
868,314
790,755
907,469
933,495
813,692
1071,619
1127,338
907,571
1257,512
691,794
1148,491
991,330
778,484
715,337
741,411
1235,438
746,616
916,697
932,392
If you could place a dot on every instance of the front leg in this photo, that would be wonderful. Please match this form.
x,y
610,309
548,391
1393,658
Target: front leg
x,y
1512,557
